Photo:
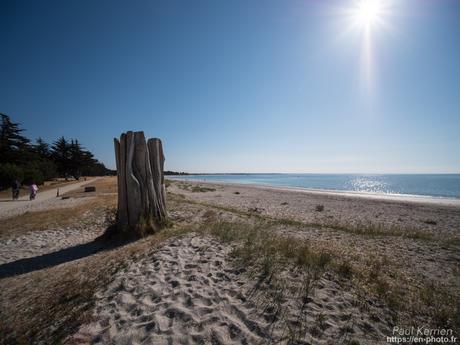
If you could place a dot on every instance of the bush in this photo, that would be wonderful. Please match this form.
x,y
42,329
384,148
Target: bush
x,y
37,172
32,173
8,173
47,168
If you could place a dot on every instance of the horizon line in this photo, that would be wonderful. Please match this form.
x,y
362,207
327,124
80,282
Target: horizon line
x,y
314,173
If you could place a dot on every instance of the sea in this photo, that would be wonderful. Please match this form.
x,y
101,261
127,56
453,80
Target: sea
x,y
424,185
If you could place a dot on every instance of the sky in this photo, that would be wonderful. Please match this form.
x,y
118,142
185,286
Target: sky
x,y
241,85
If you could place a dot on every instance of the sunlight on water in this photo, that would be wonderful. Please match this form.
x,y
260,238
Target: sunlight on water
x,y
370,185
436,185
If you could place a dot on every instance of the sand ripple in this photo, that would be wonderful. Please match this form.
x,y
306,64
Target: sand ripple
x,y
186,292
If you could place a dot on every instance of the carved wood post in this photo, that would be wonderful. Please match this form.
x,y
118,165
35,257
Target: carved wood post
x,y
141,189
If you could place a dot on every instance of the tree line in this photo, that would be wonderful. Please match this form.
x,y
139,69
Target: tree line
x,y
39,161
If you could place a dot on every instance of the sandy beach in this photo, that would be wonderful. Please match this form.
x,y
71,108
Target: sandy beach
x,y
237,265
230,172
339,207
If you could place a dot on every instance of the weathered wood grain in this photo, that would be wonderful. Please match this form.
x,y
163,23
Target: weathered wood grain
x,y
141,190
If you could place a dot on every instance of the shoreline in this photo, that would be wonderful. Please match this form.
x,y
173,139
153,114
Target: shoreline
x,y
409,198
237,263
347,210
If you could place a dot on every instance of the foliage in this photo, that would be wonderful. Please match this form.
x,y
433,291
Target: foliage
x,y
32,174
26,162
14,146
8,173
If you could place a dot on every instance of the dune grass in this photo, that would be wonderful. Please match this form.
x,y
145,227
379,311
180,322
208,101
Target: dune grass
x,y
358,228
268,254
103,200
55,218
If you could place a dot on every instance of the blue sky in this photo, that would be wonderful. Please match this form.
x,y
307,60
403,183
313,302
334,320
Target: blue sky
x,y
240,86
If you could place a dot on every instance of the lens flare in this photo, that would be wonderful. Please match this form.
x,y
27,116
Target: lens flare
x,y
366,19
367,13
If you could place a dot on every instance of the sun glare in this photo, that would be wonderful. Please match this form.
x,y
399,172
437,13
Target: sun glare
x,y
367,13
366,19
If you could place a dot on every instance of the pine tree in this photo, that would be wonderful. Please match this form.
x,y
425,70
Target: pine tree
x,y
14,147
76,158
39,162
42,148
61,155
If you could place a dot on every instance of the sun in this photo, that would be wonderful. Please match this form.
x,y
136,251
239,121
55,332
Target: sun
x,y
367,13
365,21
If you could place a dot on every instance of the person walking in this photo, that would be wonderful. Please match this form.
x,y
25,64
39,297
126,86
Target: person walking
x,y
15,187
33,191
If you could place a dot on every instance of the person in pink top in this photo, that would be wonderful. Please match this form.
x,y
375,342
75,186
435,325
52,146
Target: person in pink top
x,y
33,190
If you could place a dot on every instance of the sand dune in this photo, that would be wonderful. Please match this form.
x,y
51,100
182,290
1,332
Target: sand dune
x,y
191,292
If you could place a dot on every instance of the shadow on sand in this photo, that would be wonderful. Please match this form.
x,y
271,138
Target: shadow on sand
x,y
103,242
11,200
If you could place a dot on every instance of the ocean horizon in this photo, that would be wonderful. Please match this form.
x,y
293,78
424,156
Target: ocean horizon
x,y
422,185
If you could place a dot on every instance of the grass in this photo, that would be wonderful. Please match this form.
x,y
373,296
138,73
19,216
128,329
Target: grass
x,y
104,186
55,218
410,300
103,200
319,208
271,254
358,228
194,188
367,229
201,189
262,248
268,255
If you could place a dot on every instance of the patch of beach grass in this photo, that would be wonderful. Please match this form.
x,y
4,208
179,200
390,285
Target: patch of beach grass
x,y
368,229
106,185
56,217
103,200
268,256
194,188
268,253
319,208
201,189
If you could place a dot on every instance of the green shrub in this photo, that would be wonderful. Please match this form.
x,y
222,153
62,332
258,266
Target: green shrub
x,y
8,173
36,171
32,173
47,168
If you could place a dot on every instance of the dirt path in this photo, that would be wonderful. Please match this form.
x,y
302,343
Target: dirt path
x,y
9,208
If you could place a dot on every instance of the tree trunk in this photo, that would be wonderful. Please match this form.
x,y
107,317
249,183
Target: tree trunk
x,y
141,189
